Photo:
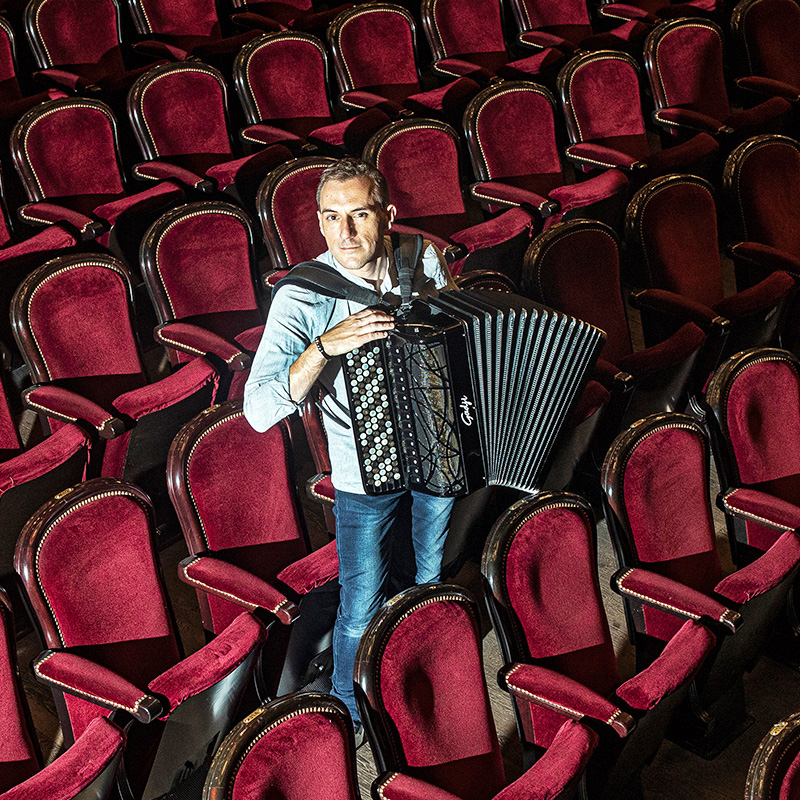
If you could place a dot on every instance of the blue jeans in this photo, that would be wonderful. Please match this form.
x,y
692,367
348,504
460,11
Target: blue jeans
x,y
372,552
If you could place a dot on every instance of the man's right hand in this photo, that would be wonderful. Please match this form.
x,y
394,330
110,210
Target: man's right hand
x,y
359,328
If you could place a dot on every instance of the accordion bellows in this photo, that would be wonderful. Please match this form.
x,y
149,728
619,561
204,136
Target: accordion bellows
x,y
470,389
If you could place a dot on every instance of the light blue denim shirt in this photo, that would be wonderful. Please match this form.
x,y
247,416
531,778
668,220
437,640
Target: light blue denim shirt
x,y
296,316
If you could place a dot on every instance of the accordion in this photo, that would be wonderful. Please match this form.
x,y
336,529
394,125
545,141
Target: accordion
x,y
470,389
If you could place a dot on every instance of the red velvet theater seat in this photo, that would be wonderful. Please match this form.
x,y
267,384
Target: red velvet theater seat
x,y
542,588
298,747
420,160
574,267
566,25
179,113
601,100
774,772
246,533
375,56
767,33
656,480
281,81
684,62
422,695
673,243
88,562
199,264
761,181
72,322
67,156
78,45
754,404
466,39
511,135
182,29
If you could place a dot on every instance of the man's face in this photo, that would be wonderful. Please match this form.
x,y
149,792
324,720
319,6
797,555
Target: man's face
x,y
352,223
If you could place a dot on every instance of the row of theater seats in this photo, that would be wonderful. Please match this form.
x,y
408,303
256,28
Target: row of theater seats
x,y
421,686
198,266
178,117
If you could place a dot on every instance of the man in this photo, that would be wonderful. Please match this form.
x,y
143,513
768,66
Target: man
x,y
305,335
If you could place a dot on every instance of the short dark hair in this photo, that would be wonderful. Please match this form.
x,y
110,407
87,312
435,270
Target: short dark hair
x,y
347,168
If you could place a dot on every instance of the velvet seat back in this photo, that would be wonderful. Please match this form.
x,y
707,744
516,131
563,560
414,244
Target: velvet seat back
x,y
67,147
425,678
672,221
762,181
280,78
420,161
456,29
601,96
769,31
18,752
180,109
656,475
88,562
199,262
511,132
373,47
298,747
574,267
76,32
755,399
554,595
72,321
180,17
287,208
761,405
684,61
248,516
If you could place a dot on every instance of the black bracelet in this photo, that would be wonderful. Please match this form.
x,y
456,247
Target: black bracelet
x,y
318,343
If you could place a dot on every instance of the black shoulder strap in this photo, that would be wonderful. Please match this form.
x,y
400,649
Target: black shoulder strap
x,y
407,250
325,280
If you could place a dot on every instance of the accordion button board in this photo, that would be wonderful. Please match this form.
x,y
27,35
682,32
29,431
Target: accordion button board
x,y
471,388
